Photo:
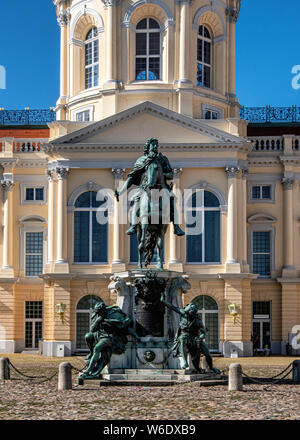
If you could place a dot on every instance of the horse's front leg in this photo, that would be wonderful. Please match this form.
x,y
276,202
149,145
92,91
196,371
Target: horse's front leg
x,y
160,247
141,242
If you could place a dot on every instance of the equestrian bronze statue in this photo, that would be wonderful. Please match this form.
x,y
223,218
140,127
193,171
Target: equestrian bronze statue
x,y
154,205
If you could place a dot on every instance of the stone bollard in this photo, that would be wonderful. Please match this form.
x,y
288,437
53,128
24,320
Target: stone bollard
x,y
235,381
4,369
65,376
296,372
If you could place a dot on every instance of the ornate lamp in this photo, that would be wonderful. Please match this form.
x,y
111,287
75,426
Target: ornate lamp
x,y
60,309
233,311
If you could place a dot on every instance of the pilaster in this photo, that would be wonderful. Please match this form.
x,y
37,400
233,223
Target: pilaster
x,y
237,333
232,263
61,265
175,263
118,264
7,185
288,228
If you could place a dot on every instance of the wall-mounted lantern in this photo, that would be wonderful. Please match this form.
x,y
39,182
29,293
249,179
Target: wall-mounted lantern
x,y
60,309
233,311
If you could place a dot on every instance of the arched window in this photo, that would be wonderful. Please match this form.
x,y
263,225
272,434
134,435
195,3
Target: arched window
x,y
84,312
91,58
203,243
90,237
204,57
209,311
148,50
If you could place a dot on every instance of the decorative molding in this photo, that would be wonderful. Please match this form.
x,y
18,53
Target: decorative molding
x,y
177,172
233,12
50,174
63,18
62,172
287,183
212,188
89,186
76,42
232,172
245,173
214,10
118,173
108,3
262,218
7,184
86,11
133,7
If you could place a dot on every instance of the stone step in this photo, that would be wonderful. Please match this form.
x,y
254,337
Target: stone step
x,y
138,383
161,377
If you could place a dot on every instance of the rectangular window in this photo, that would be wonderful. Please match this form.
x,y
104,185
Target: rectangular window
x,y
261,308
33,309
90,238
34,253
261,192
261,253
83,116
34,194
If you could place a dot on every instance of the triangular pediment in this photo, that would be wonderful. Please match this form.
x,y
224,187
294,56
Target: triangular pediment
x,y
134,125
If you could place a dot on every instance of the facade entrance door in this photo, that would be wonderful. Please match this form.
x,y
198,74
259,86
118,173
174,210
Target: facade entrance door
x,y
84,312
261,328
209,311
33,324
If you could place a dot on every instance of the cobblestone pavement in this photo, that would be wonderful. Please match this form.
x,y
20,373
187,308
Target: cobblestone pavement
x,y
27,400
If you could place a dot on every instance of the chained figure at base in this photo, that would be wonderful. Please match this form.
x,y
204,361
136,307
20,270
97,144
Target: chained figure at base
x,y
108,335
189,338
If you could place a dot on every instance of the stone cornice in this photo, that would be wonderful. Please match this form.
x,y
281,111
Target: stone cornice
x,y
51,149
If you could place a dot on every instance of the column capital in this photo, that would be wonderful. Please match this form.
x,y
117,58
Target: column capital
x,y
177,172
7,185
108,3
118,173
232,12
62,172
287,183
245,172
63,18
49,174
232,172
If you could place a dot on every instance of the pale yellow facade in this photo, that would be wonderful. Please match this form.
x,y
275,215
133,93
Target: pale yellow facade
x,y
213,155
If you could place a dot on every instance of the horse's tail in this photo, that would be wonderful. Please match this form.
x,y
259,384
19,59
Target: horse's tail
x,y
149,246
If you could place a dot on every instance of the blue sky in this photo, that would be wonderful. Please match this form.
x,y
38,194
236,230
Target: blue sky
x,y
268,44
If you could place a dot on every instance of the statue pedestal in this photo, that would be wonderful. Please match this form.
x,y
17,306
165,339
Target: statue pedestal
x,y
138,295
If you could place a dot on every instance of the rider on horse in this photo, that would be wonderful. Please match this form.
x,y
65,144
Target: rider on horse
x,y
135,177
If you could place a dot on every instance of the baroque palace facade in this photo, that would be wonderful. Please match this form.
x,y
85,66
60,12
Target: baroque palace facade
x,y
131,70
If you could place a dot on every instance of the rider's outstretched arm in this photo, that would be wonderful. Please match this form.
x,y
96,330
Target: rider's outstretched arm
x,y
126,186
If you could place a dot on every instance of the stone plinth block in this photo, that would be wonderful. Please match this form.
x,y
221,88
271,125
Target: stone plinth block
x,y
4,369
65,376
235,381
